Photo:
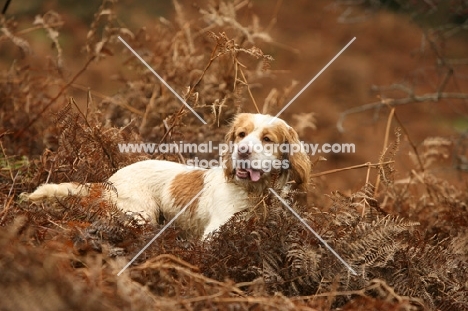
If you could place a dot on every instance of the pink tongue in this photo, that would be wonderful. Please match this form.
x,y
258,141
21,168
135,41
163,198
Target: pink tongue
x,y
254,175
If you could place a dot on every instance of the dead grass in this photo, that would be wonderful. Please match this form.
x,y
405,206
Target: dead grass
x,y
407,237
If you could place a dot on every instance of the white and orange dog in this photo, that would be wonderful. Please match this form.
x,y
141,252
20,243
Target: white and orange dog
x,y
157,188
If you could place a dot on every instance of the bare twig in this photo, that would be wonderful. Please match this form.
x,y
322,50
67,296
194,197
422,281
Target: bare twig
x,y
337,170
244,81
412,144
171,262
173,123
181,110
5,7
93,133
373,284
108,98
385,144
416,153
395,86
8,200
447,77
455,61
6,161
148,109
274,19
430,97
212,58
54,99
366,184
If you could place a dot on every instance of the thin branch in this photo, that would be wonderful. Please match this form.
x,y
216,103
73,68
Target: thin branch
x,y
8,165
248,89
274,19
173,123
447,77
430,97
53,100
6,209
337,170
93,133
373,284
182,108
412,144
385,144
366,203
455,61
396,86
212,58
30,29
5,7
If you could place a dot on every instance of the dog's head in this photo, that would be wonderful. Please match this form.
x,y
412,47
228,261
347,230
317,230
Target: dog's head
x,y
264,152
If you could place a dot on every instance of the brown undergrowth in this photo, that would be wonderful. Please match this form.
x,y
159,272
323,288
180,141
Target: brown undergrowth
x,y
407,238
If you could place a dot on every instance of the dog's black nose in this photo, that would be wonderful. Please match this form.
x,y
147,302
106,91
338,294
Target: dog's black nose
x,y
244,150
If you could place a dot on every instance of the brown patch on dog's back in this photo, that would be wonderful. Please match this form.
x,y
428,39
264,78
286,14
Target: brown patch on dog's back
x,y
185,186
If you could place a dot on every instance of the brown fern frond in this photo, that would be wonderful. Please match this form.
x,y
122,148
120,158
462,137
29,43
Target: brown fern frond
x,y
386,171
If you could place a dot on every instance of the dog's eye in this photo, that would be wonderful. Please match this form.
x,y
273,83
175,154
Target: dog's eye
x,y
266,139
241,134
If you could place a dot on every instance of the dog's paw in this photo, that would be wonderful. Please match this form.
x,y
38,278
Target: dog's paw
x,y
24,197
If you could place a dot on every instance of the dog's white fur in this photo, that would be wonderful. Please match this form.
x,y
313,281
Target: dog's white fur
x,y
154,188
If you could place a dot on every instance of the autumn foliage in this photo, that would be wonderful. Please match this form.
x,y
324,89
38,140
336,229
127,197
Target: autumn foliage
x,y
402,225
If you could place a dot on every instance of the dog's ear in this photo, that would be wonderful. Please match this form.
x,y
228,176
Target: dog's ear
x,y
300,165
227,155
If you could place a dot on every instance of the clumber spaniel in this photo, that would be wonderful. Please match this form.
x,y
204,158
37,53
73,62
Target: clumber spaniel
x,y
266,153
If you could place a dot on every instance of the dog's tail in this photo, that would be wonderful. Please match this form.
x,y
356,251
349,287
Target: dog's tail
x,y
47,191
